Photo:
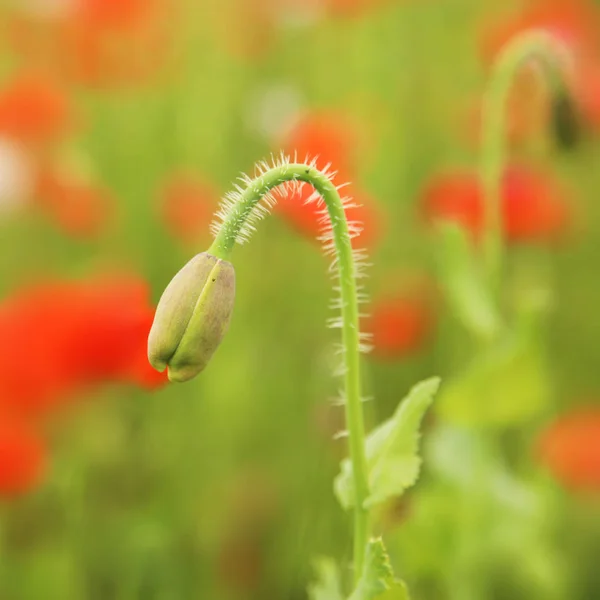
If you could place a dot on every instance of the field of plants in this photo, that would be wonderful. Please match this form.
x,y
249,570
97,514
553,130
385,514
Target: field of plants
x,y
404,195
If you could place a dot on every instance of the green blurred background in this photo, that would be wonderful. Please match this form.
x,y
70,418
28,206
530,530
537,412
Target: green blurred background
x,y
221,488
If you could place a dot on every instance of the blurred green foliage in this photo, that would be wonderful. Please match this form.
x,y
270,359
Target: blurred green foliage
x,y
222,488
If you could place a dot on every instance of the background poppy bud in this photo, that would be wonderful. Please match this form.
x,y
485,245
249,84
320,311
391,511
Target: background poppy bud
x,y
566,125
192,317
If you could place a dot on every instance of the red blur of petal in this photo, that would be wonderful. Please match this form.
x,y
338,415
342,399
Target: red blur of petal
x,y
100,43
330,140
400,325
570,448
534,207
105,57
120,48
328,137
187,205
117,317
454,196
79,209
112,13
34,108
69,337
22,459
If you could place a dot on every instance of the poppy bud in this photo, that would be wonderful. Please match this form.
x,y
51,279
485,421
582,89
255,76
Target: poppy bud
x,y
192,317
565,121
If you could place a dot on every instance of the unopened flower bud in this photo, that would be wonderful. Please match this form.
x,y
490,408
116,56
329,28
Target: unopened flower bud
x,y
565,121
192,317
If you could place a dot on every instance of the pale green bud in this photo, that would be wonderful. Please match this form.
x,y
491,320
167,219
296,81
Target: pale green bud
x,y
192,317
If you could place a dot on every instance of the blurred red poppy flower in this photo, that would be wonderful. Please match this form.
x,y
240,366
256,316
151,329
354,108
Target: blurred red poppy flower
x,y
77,207
112,13
328,137
570,448
34,108
187,205
96,42
67,337
115,43
22,458
116,314
534,206
105,56
399,324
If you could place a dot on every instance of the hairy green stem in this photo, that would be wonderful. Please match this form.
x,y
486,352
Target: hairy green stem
x,y
549,52
222,247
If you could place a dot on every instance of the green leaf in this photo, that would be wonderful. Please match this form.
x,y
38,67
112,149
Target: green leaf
x,y
391,450
503,386
377,581
327,586
466,293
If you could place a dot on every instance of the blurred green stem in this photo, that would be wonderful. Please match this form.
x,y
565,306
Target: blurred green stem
x,y
229,233
552,56
3,553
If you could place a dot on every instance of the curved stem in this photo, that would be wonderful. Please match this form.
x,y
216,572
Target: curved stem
x,y
551,54
233,223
